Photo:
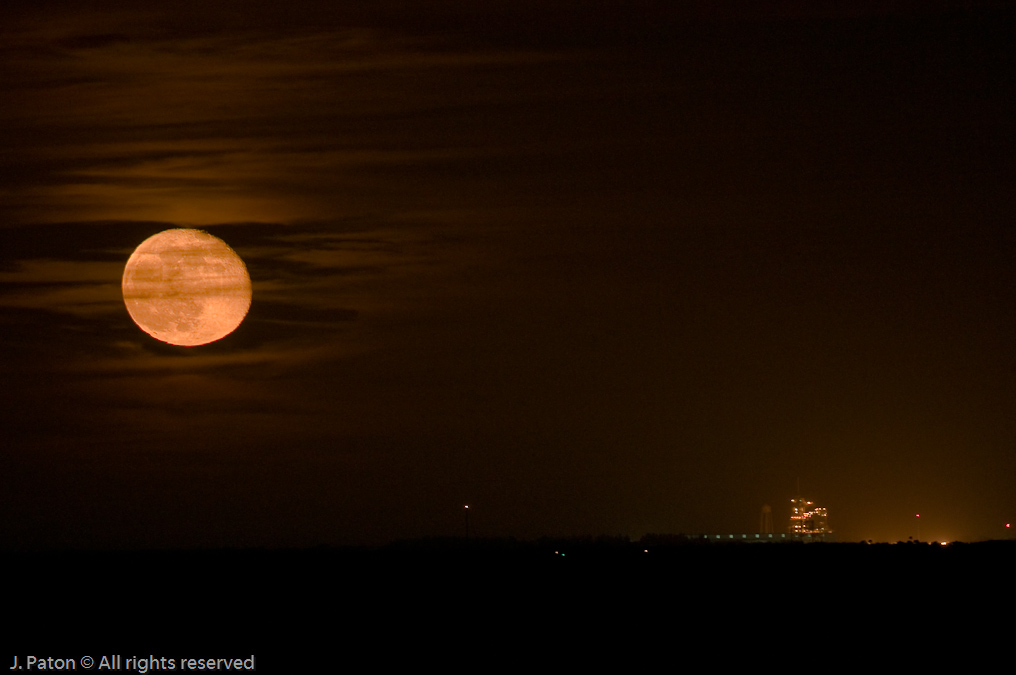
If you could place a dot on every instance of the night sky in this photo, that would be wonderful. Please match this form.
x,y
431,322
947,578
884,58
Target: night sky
x,y
592,268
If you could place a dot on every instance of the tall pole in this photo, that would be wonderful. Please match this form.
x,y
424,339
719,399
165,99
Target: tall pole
x,y
467,521
918,527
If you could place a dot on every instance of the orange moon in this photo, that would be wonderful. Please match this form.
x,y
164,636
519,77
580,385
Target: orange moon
x,y
186,287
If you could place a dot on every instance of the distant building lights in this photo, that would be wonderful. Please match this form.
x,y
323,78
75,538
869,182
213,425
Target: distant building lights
x,y
808,519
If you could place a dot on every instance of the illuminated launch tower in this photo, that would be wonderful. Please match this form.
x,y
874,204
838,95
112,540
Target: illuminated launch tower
x,y
806,518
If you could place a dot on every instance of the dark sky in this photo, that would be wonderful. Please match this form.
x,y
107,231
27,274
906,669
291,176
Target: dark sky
x,y
589,267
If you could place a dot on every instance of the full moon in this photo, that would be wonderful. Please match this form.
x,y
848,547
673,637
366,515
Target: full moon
x,y
186,287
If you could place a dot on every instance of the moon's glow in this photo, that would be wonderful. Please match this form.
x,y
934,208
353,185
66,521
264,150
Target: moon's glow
x,y
186,287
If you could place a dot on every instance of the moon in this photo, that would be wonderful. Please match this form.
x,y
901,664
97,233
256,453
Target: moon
x,y
186,287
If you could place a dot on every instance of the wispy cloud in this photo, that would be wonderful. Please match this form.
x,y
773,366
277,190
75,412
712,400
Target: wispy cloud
x,y
201,126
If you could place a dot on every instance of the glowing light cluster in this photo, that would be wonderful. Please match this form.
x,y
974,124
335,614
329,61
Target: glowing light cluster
x,y
806,518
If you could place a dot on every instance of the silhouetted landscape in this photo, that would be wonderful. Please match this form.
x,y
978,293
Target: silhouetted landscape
x,y
428,595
